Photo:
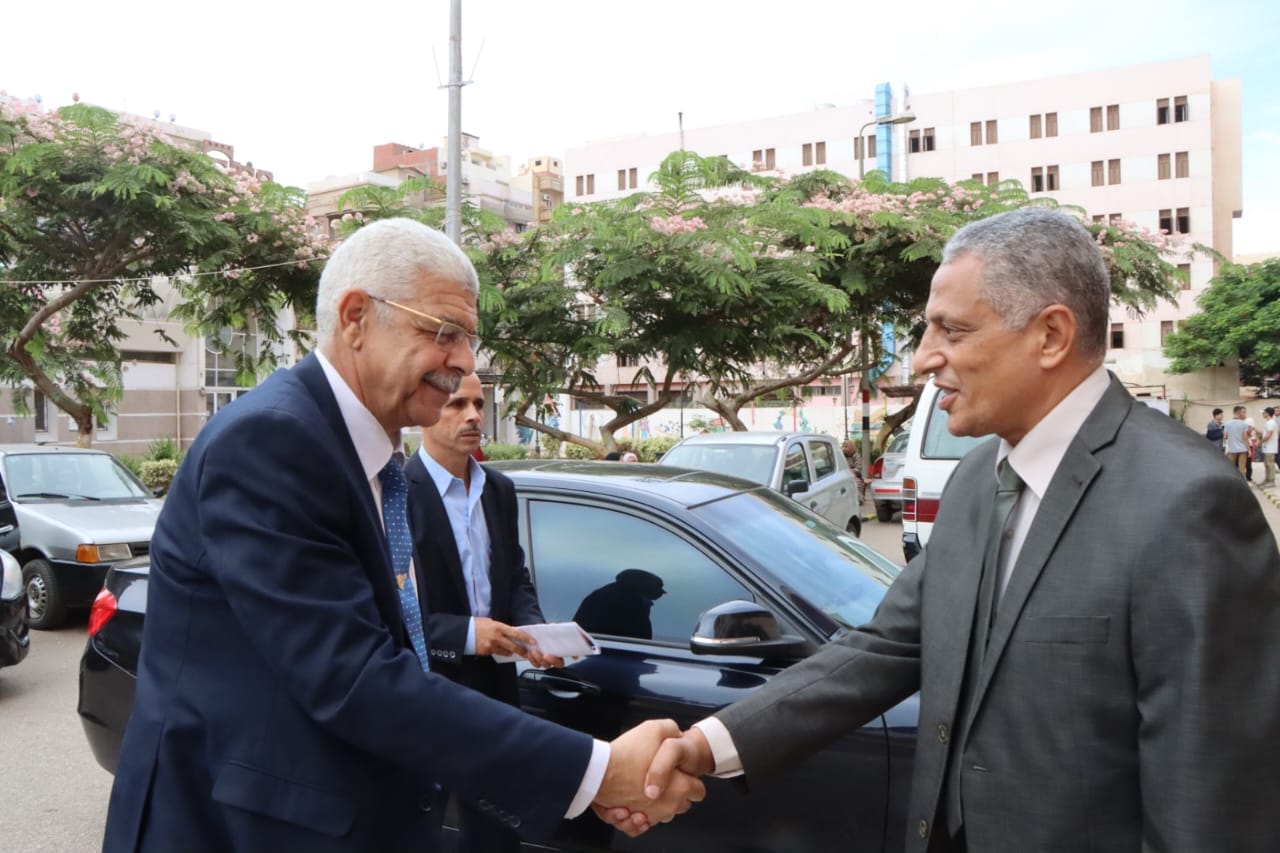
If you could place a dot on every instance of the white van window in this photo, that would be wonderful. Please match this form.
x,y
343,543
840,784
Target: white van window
x,y
939,443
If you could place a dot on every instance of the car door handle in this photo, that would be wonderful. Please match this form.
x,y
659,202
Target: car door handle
x,y
557,682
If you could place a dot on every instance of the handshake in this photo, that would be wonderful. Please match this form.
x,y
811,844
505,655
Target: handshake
x,y
652,776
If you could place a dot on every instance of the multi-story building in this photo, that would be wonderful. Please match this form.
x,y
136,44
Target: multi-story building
x,y
543,178
1157,145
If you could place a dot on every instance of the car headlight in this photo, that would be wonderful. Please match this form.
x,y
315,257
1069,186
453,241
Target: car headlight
x,y
102,553
10,578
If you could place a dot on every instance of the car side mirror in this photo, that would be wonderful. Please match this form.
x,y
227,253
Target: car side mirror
x,y
743,628
791,488
159,491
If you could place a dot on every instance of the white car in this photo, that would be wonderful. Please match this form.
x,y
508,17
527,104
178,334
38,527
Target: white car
x,y
886,477
806,466
931,456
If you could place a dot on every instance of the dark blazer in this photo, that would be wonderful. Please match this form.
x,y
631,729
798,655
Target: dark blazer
x,y
439,572
1128,699
279,705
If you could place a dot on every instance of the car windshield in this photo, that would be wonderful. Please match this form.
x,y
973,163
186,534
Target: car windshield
x,y
58,476
753,462
811,559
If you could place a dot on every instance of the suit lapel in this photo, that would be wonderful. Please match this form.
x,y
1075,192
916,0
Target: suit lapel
x,y
432,530
1075,473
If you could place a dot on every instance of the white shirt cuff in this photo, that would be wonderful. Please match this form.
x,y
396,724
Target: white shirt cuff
x,y
591,779
469,647
722,749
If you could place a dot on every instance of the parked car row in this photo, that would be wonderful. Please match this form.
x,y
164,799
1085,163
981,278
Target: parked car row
x,y
15,639
716,584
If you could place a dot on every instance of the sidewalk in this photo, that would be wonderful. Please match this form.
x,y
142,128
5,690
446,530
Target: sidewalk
x,y
1271,493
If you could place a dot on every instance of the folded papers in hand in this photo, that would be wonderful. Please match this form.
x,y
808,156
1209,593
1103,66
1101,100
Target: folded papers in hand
x,y
561,639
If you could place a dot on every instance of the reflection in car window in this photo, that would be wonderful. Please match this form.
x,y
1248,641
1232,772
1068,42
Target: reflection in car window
x,y
796,467
824,460
898,444
752,462
821,564
615,573
939,443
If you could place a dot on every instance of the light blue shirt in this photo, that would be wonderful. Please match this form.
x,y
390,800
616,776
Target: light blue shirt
x,y
470,533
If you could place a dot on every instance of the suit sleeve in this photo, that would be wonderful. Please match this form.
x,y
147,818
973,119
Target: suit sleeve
x,y
836,690
1206,625
288,539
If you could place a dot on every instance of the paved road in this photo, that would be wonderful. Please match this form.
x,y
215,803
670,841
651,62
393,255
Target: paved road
x,y
53,797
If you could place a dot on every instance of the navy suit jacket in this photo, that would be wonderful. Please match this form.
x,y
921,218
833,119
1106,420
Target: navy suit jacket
x,y
439,571
279,705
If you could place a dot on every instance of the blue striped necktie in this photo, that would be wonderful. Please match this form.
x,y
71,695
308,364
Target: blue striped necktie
x,y
395,519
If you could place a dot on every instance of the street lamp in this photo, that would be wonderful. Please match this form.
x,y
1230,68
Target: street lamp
x,y
900,118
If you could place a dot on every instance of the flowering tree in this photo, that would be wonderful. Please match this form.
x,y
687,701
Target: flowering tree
x,y
100,219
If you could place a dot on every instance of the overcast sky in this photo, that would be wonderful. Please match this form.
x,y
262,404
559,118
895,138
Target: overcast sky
x,y
307,89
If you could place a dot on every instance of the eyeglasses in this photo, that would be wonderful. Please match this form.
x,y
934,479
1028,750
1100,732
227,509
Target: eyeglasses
x,y
448,335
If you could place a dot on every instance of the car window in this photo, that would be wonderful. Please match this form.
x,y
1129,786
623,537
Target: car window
x,y
49,476
898,444
813,561
796,466
618,574
754,462
824,459
939,443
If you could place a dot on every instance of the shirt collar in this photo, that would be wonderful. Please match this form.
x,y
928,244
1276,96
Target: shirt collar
x,y
443,479
373,447
1037,456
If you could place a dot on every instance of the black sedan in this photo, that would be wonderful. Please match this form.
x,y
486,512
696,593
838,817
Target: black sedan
x,y
698,589
15,630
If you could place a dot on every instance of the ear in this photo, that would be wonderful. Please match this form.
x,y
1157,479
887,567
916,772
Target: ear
x,y
355,317
1057,326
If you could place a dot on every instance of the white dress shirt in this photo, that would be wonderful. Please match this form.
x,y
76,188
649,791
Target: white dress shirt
x,y
374,448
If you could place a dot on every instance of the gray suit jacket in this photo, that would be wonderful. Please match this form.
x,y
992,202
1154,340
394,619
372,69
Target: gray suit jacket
x,y
1129,698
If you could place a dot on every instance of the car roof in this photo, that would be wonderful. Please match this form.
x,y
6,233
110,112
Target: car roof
x,y
650,483
6,449
757,437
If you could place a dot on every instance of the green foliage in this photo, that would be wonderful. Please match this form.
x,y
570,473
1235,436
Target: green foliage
x,y
495,450
133,463
651,449
104,221
550,445
577,451
164,448
1239,321
158,473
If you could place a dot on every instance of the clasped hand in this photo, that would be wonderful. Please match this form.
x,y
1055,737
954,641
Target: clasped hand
x,y
652,776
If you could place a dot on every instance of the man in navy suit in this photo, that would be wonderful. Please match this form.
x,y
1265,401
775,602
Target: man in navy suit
x,y
280,702
468,559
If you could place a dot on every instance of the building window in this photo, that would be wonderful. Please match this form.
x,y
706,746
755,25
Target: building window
x,y
993,179
1183,222
1182,164
762,158
1113,171
806,154
1051,178
1117,335
1050,124
1037,179
1166,221
1163,172
1096,170
1035,126
977,176
975,133
871,147
820,153
930,143
1162,111
1095,119
40,408
1099,219
991,132
1180,110
578,184
622,179
1166,329
628,360
1184,276
1113,117
913,142
813,153
1115,219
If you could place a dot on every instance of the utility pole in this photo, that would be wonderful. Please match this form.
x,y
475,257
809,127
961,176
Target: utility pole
x,y
453,180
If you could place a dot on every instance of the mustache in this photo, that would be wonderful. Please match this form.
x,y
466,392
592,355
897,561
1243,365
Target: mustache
x,y
447,380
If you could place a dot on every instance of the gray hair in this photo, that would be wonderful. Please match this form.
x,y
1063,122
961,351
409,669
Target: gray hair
x,y
1033,258
388,259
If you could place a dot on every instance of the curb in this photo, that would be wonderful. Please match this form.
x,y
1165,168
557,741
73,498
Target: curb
x,y
1269,495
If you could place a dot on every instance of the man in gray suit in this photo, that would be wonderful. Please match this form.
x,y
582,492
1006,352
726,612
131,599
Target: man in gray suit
x,y
1102,678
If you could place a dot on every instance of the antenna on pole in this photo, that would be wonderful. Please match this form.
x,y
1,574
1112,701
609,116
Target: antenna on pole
x,y
680,122
453,181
